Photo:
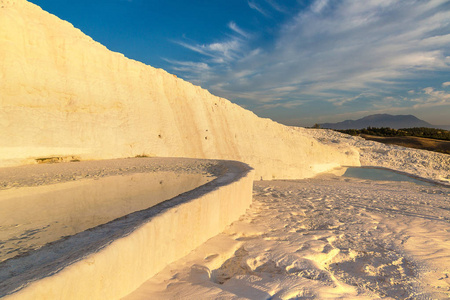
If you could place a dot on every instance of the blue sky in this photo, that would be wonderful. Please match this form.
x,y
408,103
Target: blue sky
x,y
297,62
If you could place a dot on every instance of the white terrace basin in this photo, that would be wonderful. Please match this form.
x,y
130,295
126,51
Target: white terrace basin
x,y
99,229
31,217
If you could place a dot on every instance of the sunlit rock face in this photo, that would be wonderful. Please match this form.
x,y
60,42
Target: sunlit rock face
x,y
64,95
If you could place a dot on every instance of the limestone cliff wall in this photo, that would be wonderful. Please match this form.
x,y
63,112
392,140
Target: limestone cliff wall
x,y
63,94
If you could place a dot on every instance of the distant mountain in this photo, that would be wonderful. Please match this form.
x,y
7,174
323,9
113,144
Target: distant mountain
x,y
381,120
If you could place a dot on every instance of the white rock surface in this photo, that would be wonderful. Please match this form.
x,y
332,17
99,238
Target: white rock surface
x,y
64,95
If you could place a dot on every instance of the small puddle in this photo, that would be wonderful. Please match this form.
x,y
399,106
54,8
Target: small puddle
x,y
381,175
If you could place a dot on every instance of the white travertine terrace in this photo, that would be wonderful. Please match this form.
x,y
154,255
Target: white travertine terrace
x,y
64,95
111,260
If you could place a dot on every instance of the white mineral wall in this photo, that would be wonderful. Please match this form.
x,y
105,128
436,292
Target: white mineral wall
x,y
63,94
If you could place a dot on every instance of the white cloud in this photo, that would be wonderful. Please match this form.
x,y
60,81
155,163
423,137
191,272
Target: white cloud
x,y
428,90
233,26
196,48
318,5
224,47
431,97
189,65
277,6
442,95
195,72
257,7
338,51
358,44
290,104
219,52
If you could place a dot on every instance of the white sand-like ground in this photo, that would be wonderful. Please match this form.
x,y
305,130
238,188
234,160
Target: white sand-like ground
x,y
324,238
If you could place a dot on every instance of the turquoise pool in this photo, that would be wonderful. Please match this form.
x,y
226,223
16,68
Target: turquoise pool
x,y
381,175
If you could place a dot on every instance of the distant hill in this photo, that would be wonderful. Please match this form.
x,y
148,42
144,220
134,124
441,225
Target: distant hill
x,y
382,120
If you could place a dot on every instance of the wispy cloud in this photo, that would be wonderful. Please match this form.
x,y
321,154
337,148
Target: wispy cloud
x,y
196,48
258,8
340,52
195,72
430,97
195,67
233,26
318,5
219,52
277,6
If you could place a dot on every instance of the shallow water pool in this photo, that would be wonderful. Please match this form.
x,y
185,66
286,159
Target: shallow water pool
x,y
381,175
31,217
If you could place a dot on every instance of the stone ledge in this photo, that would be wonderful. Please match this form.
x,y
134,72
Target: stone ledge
x,y
111,260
